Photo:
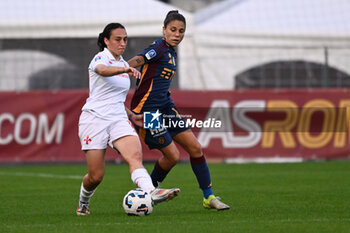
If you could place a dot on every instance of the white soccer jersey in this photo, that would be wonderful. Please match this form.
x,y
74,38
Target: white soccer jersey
x,y
107,94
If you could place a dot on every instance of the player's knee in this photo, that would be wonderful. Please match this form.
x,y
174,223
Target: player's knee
x,y
195,150
96,177
174,158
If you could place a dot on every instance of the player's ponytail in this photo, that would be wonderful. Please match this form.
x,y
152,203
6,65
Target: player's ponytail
x,y
174,15
100,41
106,34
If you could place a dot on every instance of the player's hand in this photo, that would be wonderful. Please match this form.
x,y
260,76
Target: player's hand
x,y
137,119
133,72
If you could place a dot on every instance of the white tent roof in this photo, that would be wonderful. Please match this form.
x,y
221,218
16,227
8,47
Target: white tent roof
x,y
81,18
234,35
310,18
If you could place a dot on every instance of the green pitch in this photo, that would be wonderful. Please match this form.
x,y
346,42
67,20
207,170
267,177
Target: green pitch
x,y
304,197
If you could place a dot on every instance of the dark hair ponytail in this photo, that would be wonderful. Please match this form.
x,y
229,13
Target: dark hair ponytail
x,y
106,34
174,15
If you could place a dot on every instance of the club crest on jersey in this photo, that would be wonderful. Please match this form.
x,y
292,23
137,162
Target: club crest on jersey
x,y
151,54
172,61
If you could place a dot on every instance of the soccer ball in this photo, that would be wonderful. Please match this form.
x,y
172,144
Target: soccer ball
x,y
137,202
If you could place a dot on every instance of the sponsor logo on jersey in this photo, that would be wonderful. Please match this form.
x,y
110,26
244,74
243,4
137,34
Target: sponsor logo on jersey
x,y
151,54
98,58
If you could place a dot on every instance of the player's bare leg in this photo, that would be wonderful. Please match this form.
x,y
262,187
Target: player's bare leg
x,y
96,168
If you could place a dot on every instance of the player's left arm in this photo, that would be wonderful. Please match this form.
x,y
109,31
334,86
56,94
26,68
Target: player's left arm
x,y
137,119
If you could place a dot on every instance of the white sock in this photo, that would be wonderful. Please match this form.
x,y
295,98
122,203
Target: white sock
x,y
141,178
84,194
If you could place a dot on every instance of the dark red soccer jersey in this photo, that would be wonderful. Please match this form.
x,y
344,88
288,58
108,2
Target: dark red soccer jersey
x,y
156,74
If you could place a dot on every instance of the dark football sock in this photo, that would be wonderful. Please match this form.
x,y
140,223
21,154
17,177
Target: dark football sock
x,y
158,174
201,170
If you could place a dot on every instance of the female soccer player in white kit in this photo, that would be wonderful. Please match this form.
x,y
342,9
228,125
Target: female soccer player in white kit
x,y
104,119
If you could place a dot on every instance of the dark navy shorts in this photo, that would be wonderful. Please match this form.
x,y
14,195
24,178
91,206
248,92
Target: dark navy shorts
x,y
172,124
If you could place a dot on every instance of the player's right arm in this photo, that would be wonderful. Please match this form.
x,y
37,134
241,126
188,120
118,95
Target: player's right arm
x,y
136,61
106,71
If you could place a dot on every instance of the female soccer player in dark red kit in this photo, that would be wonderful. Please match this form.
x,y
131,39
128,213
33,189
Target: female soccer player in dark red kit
x,y
158,65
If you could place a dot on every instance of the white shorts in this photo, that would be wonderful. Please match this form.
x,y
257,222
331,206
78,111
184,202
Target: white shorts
x,y
97,133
